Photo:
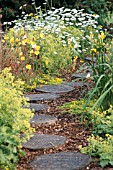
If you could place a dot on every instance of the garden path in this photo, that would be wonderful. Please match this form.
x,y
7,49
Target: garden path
x,y
55,161
55,145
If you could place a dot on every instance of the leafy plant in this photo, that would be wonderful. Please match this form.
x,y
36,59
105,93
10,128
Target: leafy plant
x,y
102,72
14,120
103,122
77,107
102,148
101,142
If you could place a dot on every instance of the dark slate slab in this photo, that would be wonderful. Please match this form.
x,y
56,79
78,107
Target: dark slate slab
x,y
61,161
78,76
42,118
38,107
55,89
42,141
41,97
76,84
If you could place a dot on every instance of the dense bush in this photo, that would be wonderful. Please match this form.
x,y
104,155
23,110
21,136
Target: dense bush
x,y
101,142
14,120
11,8
45,43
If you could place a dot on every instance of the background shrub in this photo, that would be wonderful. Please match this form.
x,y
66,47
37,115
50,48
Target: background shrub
x,y
10,8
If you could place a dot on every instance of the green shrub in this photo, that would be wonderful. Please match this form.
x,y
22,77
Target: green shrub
x,y
55,55
13,8
103,122
30,54
77,107
101,142
14,120
102,148
102,69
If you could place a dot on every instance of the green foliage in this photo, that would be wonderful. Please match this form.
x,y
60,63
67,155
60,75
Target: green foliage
x,y
55,55
101,147
14,120
100,7
11,8
101,142
103,122
77,107
34,53
102,71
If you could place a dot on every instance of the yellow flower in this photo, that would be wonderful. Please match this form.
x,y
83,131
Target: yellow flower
x,y
32,42
101,26
41,35
16,40
46,62
6,37
31,14
80,147
26,40
81,61
58,80
37,47
31,52
12,40
36,17
28,66
22,58
3,41
102,35
93,50
20,54
19,43
71,46
75,58
91,35
37,52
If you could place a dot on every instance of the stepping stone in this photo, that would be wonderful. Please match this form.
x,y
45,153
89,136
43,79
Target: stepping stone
x,y
79,75
37,107
41,97
40,119
55,89
61,161
76,84
42,141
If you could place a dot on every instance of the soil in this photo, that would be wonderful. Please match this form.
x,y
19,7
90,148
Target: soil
x,y
67,125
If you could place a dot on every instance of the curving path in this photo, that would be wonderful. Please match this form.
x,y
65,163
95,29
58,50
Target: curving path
x,y
43,141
